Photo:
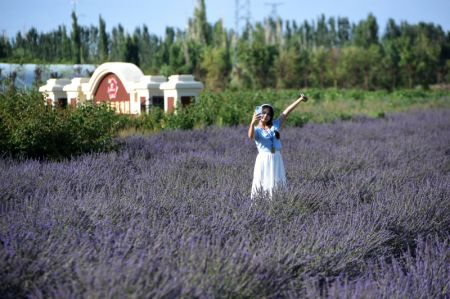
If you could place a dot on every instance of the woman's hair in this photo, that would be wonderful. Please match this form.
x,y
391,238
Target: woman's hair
x,y
271,113
277,134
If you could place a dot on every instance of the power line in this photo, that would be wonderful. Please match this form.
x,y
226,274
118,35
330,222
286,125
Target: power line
x,y
242,12
273,12
74,5
74,8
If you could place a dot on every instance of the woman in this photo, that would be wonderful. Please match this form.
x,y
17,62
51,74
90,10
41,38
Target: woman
x,y
269,170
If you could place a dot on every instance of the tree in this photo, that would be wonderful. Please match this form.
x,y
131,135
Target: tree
x,y
199,28
365,33
65,45
332,32
390,64
149,51
215,60
371,67
321,63
132,49
118,44
333,69
307,35
273,32
102,41
305,67
322,39
428,46
324,52
18,51
76,40
32,42
169,39
5,47
350,66
286,69
257,59
288,36
89,44
37,77
360,67
392,31
344,31
216,64
444,64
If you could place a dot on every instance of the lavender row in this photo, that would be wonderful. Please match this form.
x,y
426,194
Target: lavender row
x,y
170,215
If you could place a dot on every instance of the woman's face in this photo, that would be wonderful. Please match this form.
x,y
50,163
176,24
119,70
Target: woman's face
x,y
265,115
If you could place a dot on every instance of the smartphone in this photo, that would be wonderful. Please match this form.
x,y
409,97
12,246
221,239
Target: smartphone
x,y
305,98
258,110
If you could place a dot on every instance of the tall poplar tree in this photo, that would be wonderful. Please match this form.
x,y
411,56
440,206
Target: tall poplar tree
x,y
365,33
76,40
344,31
66,48
118,44
102,41
201,29
5,47
132,49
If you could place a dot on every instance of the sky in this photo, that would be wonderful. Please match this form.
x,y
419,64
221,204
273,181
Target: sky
x,y
47,15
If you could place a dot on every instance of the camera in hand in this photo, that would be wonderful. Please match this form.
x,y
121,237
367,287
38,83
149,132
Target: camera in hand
x,y
258,110
305,98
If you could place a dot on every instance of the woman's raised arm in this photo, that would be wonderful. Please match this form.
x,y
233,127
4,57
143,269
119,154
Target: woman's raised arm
x,y
251,129
291,107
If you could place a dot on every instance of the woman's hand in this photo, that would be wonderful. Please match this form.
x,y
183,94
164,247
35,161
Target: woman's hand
x,y
255,118
303,98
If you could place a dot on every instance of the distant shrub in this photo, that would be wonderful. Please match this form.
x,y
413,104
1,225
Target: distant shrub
x,y
298,119
89,128
181,119
232,108
150,121
29,128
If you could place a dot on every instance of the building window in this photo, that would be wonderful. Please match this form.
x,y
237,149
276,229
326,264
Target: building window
x,y
61,103
185,101
158,101
143,105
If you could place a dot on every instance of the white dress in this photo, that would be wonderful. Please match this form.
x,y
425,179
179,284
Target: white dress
x,y
269,172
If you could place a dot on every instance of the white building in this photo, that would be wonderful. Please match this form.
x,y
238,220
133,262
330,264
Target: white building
x,y
125,88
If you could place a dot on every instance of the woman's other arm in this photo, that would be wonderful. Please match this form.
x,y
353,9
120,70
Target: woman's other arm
x,y
251,129
291,107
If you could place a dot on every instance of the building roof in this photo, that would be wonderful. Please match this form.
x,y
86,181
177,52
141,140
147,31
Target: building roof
x,y
150,82
181,82
53,85
76,84
128,73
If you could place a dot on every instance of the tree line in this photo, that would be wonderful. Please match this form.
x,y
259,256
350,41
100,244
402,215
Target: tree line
x,y
326,52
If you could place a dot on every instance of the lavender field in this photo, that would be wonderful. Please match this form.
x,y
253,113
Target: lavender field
x,y
366,215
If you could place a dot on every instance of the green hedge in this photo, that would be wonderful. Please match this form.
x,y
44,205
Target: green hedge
x,y
29,128
230,108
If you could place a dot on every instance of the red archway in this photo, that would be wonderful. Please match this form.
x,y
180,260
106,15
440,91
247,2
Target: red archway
x,y
112,91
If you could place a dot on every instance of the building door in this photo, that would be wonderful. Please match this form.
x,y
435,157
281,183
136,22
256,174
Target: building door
x,y
61,103
143,106
185,101
170,104
158,101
